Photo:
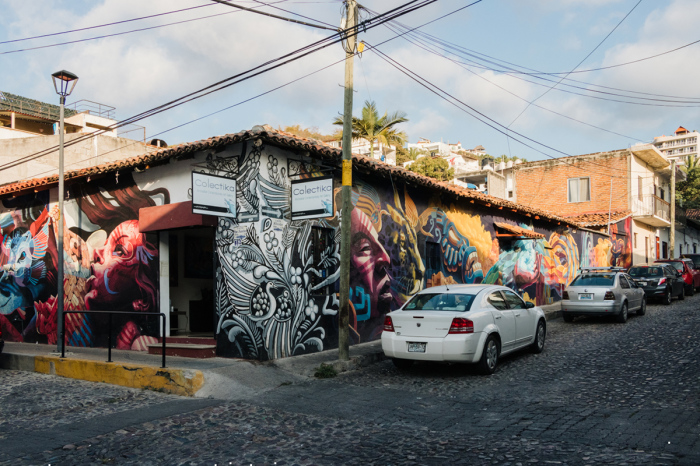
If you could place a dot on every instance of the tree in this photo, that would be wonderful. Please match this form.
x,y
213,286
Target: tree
x,y
688,191
434,167
375,128
403,155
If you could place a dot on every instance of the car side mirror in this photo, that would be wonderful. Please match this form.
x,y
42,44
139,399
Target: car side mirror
x,y
529,305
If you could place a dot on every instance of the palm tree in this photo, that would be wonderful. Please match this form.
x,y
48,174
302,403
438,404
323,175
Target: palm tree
x,y
691,164
373,128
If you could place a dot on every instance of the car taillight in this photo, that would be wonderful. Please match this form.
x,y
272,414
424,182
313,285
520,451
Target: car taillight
x,y
461,325
388,324
609,296
565,295
662,281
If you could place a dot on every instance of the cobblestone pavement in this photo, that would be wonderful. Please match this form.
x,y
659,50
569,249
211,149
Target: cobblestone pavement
x,y
600,393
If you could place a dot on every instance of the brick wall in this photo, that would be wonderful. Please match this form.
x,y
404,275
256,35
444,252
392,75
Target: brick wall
x,y
544,184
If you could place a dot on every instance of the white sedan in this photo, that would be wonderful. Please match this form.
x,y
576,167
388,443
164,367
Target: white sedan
x,y
462,323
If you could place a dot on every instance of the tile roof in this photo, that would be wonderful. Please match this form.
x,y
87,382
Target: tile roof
x,y
597,219
693,214
516,230
288,140
31,107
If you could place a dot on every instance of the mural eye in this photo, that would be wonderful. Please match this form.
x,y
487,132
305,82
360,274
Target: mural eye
x,y
22,256
119,251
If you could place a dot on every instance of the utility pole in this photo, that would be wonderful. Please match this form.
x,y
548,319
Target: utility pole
x,y
346,207
672,234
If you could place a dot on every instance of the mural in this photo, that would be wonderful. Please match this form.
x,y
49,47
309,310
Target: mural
x,y
109,265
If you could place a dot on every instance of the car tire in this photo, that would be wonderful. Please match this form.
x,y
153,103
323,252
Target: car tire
x,y
643,309
540,336
568,317
691,290
681,296
489,356
668,297
622,316
402,364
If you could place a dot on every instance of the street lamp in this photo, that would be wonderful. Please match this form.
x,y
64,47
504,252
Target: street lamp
x,y
64,82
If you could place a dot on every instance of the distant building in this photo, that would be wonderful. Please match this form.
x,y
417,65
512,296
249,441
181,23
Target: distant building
x,y
682,144
30,127
384,152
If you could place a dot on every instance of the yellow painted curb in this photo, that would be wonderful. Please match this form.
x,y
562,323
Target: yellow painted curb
x,y
183,382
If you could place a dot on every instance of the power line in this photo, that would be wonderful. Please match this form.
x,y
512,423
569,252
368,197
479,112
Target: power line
x,y
401,10
579,64
226,2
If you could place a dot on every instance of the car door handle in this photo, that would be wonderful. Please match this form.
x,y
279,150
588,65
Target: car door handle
x,y
498,317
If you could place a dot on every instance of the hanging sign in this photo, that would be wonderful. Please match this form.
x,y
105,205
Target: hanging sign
x,y
312,198
213,195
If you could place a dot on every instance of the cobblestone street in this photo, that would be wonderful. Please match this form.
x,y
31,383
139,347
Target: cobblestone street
x,y
600,393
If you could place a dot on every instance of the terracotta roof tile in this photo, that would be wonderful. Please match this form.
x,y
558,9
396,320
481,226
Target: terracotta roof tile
x,y
693,214
277,137
519,230
597,219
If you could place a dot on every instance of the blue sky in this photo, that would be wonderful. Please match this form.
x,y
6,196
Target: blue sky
x,y
135,72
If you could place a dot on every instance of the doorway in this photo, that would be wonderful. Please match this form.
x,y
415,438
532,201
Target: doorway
x,y
191,276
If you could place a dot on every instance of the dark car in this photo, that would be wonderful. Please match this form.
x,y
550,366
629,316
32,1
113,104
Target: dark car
x,y
659,281
2,342
691,277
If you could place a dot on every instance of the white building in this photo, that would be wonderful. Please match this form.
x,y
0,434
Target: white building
x,y
679,146
384,152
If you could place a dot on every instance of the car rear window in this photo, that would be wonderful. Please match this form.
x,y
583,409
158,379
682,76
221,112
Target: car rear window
x,y
597,279
677,265
440,302
646,272
695,259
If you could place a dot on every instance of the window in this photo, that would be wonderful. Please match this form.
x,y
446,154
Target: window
x,y
635,240
440,302
513,300
510,194
623,282
579,189
664,249
433,258
323,246
594,279
497,301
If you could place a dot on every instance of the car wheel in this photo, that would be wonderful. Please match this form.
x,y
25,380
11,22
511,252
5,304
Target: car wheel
x,y
489,357
681,296
691,290
568,317
540,335
402,364
667,297
643,309
622,316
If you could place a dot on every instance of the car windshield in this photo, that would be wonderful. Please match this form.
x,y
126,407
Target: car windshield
x,y
677,265
696,260
594,279
646,272
439,302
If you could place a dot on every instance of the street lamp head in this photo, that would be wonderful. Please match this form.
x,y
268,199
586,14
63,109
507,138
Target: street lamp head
x,y
64,82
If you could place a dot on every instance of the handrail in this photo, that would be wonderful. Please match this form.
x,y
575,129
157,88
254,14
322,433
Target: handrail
x,y
109,338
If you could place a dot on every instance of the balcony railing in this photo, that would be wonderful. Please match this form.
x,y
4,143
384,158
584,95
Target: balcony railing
x,y
651,205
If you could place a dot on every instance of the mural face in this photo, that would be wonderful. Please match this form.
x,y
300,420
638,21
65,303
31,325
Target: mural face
x,y
109,265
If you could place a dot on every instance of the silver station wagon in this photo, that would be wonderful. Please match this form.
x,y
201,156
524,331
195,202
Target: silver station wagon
x,y
599,291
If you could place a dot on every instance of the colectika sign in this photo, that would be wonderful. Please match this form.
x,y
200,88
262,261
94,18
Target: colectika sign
x,y
312,198
213,195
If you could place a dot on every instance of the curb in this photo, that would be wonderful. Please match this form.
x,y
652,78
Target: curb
x,y
356,362
183,382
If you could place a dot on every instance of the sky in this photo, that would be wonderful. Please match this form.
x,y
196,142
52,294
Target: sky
x,y
476,55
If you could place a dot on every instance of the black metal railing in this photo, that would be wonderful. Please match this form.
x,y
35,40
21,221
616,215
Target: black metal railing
x,y
109,341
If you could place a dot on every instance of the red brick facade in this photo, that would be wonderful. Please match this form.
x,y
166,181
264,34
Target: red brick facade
x,y
545,184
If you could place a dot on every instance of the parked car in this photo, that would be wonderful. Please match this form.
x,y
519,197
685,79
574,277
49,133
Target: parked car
x,y
600,291
695,258
2,342
691,276
463,323
659,281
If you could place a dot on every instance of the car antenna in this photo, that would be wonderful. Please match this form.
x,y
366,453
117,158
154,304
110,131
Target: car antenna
x,y
447,288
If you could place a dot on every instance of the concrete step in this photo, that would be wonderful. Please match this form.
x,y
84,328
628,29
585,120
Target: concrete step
x,y
189,340
185,350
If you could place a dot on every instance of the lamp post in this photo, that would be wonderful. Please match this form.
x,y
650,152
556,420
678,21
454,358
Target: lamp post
x,y
64,82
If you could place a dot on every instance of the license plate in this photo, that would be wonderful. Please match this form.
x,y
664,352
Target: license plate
x,y
416,347
585,296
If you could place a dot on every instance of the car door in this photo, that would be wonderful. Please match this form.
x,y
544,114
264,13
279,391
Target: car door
x,y
627,291
636,291
676,283
504,319
524,318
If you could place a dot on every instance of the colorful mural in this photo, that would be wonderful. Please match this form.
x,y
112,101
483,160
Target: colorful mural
x,y
109,265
